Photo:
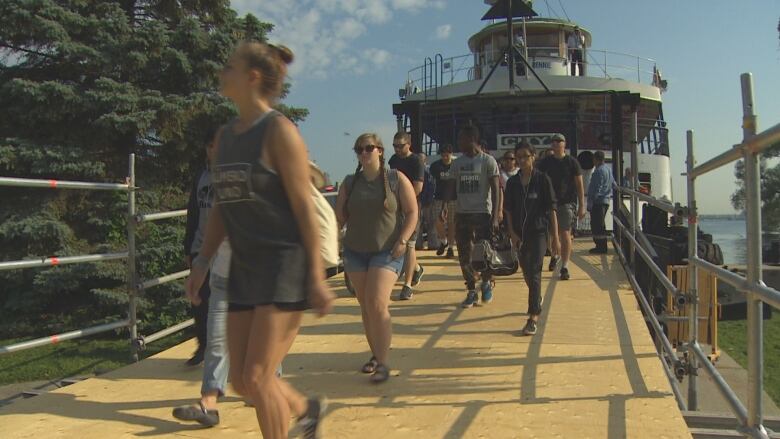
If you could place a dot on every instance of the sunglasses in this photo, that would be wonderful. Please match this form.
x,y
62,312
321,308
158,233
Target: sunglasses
x,y
368,148
398,145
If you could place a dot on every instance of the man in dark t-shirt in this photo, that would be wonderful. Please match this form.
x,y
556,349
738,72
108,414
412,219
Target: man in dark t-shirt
x,y
566,176
444,200
409,164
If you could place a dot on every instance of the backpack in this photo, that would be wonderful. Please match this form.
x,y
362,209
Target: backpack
x,y
329,229
429,189
495,255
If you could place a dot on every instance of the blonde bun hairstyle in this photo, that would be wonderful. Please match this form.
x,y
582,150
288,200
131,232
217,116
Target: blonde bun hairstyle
x,y
271,61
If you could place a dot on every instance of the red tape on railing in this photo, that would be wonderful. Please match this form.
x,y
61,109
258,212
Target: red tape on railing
x,y
54,339
52,184
55,260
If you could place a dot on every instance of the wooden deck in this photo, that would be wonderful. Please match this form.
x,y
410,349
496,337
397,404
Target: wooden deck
x,y
590,372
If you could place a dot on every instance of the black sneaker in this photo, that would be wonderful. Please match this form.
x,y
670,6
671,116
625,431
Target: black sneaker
x,y
308,425
471,299
529,328
450,253
417,277
441,249
196,359
553,263
597,251
406,293
197,413
564,273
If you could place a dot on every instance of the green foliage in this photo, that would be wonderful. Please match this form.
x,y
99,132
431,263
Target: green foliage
x,y
732,337
82,85
770,189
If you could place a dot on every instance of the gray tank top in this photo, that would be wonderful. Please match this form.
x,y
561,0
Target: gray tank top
x,y
269,263
371,227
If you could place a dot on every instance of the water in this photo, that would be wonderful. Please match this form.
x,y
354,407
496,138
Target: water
x,y
730,235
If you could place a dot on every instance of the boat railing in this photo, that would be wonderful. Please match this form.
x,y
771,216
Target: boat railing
x,y
635,252
135,287
442,71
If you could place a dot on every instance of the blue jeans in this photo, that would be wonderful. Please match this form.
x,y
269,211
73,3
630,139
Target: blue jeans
x,y
216,363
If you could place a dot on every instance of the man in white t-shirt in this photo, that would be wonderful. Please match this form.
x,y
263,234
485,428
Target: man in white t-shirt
x,y
576,44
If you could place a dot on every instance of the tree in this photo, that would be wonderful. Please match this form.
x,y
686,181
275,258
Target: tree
x,y
770,189
82,85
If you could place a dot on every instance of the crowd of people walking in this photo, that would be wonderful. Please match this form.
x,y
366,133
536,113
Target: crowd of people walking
x,y
255,255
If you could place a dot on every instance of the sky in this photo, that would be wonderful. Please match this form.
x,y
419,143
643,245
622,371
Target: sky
x,y
352,56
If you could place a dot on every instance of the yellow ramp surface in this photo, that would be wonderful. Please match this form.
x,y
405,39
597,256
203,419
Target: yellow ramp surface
x,y
590,372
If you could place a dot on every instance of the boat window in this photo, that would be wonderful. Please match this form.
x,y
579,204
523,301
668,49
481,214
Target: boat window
x,y
546,44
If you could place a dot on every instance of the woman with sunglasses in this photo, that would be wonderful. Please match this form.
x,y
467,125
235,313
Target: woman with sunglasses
x,y
529,202
379,208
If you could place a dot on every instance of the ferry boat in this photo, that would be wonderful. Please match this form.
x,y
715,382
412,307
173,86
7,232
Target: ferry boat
x,y
510,99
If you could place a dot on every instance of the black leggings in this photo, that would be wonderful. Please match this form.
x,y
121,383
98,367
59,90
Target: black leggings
x,y
531,261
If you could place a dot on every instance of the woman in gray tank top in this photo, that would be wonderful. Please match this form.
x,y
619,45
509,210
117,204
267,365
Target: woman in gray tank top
x,y
379,208
264,206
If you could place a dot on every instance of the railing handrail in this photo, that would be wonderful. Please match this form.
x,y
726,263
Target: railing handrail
x,y
61,184
753,144
133,288
415,74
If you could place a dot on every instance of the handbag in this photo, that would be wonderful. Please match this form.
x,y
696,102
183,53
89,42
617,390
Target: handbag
x,y
495,255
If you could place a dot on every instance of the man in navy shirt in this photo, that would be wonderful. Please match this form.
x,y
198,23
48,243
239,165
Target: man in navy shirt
x,y
599,197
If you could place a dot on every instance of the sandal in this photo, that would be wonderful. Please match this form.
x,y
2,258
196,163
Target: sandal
x,y
370,367
381,374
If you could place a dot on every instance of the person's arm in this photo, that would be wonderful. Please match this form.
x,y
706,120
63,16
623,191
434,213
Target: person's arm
x,y
594,188
341,201
193,215
419,177
495,190
552,208
409,208
213,237
508,209
580,188
288,156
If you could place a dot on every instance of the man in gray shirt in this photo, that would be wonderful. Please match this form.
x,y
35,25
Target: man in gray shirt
x,y
200,203
477,209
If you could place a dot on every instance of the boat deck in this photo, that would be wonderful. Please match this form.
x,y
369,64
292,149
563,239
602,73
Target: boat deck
x,y
590,372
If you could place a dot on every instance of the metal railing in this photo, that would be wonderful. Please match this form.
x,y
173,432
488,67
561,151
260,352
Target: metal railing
x,y
440,71
134,286
750,419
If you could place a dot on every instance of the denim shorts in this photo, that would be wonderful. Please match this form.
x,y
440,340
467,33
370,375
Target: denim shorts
x,y
361,262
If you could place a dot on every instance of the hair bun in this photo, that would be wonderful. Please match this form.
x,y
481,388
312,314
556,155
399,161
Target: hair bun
x,y
284,52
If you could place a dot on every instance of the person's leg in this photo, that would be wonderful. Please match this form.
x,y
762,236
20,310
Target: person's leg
x,y
378,286
441,227
451,224
239,324
359,283
565,224
603,218
464,236
572,61
484,231
430,228
598,228
216,364
200,314
532,262
272,332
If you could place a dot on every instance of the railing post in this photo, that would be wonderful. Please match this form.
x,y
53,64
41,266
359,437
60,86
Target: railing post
x,y
754,304
635,178
693,280
132,292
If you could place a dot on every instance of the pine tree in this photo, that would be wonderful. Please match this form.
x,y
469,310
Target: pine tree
x,y
82,85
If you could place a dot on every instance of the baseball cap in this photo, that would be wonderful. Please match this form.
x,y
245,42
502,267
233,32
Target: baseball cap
x,y
558,136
